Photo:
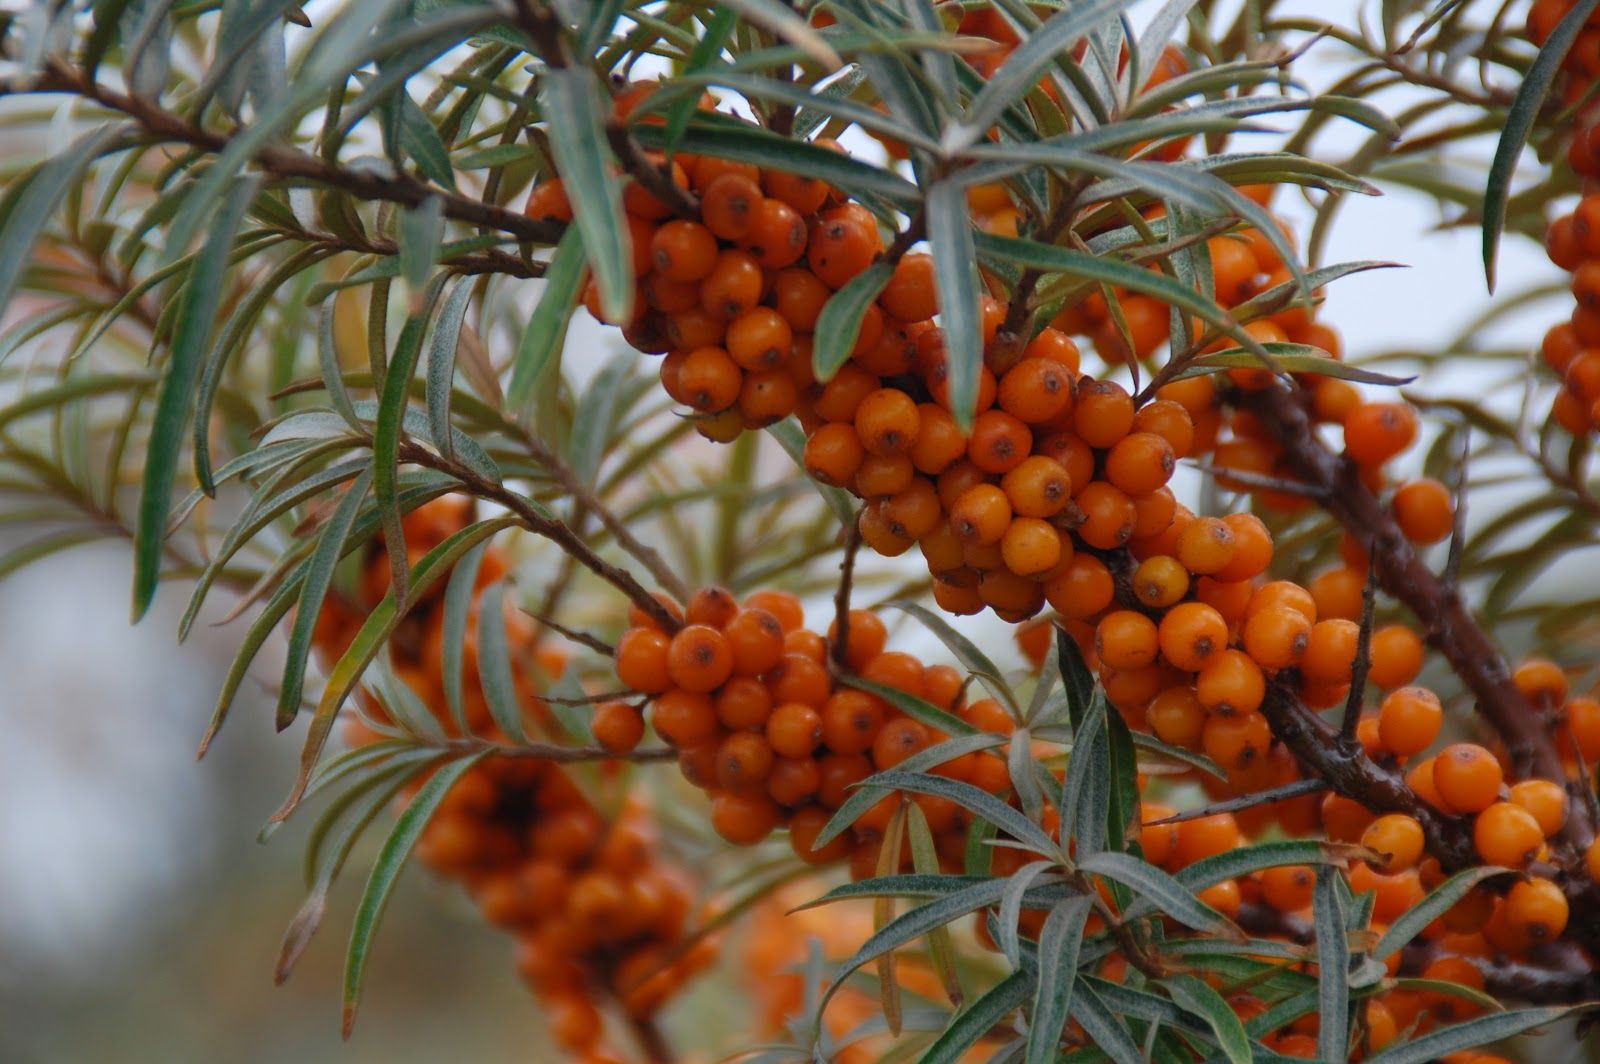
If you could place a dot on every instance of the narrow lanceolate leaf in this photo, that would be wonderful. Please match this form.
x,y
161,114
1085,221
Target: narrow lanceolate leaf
x,y
977,1020
1519,123
911,926
379,625
386,871
176,396
974,800
547,328
784,23
330,548
1430,908
1290,358
387,432
1198,997
1108,1033
868,794
421,235
328,364
1059,944
840,322
442,363
1023,67
1169,896
31,202
925,860
494,663
1010,915
458,597
576,109
1471,1034
955,261
1333,967
966,651
916,708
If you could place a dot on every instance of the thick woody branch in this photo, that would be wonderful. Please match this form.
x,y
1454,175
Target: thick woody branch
x,y
1450,627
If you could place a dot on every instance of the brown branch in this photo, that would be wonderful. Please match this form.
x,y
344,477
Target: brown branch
x,y
1363,662
841,597
656,179
583,638
1555,973
283,162
1450,626
554,752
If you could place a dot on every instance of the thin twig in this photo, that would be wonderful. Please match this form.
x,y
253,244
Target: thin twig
x,y
1363,662
841,597
584,638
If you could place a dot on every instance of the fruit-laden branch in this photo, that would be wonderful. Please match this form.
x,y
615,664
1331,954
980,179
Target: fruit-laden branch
x,y
1438,605
281,161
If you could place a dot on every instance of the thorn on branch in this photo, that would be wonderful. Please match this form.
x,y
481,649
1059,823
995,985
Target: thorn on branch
x,y
1363,663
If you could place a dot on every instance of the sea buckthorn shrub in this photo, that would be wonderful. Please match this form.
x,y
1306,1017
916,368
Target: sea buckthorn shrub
x,y
1217,709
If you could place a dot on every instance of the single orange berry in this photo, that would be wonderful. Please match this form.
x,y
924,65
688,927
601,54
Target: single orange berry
x,y
1409,720
1506,834
1397,838
1468,777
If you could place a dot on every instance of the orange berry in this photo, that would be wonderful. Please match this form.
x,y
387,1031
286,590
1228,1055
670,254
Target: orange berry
x,y
1036,391
799,296
683,251
1108,515
744,820
1160,581
1543,683
833,454
1467,777
898,740
1537,910
777,236
743,760
1206,545
1376,432
981,514
1177,717
728,205
756,640
1038,486
743,704
940,442
1338,593
1505,834
1236,741
1396,656
840,246
1082,589
1424,510
642,655
1409,720
1288,888
1126,640
1545,799
1103,413
1204,837
887,422
617,727
1277,637
699,659
910,294
709,380
733,285
1331,652
1192,635
999,442
1030,546
1140,462
1398,838
1231,682
684,719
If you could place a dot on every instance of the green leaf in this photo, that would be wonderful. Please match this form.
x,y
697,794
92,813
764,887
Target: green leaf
x,y
1519,122
955,261
458,596
421,236
420,139
976,801
868,794
1198,997
494,663
912,925
547,327
319,577
1333,967
974,1022
1010,913
1108,1033
966,651
1471,1034
442,364
386,871
1021,71
1430,908
1166,893
718,28
576,110
374,633
839,324
916,708
1059,945
176,395
1291,358
594,422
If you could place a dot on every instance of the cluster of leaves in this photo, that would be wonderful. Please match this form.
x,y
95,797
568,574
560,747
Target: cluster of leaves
x,y
263,262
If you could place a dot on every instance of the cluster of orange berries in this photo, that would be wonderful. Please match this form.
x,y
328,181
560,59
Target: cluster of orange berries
x,y
599,915
777,736
1573,240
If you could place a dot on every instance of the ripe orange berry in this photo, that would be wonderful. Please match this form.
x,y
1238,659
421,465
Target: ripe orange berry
x,y
1206,545
744,759
642,655
910,294
834,453
684,719
1036,391
1545,799
981,514
1252,549
709,380
1331,652
777,236
1277,637
1236,741
1204,837
1140,462
1170,421
1583,718
1398,838
805,826
1344,819
711,605
733,285
1505,834
887,422
683,251
756,640
1177,717
744,820
1192,635
1467,777
1409,720
1591,860
1543,683
1030,546
1288,888
1160,581
699,659
1231,682
1103,413
1038,486
1424,510
1338,593
759,339
1537,910
1082,589
743,704
1396,656
1126,640
728,205
1376,432
617,727
898,740
883,475
1108,515
940,443
840,246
